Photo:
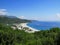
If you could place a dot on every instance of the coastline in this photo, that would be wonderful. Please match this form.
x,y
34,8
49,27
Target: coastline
x,y
25,25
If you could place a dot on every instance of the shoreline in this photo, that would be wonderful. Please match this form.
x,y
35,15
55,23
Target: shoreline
x,y
25,25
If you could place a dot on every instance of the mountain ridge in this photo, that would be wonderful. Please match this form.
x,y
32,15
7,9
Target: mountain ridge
x,y
11,19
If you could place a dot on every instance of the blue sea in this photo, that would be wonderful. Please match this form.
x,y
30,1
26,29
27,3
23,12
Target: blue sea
x,y
42,25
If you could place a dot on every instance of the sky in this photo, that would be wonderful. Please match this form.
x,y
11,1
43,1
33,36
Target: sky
x,y
42,10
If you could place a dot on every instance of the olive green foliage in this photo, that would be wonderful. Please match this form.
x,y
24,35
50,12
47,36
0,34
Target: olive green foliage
x,y
8,36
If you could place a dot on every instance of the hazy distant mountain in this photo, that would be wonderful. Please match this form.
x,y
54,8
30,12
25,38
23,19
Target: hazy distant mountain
x,y
11,16
11,19
8,16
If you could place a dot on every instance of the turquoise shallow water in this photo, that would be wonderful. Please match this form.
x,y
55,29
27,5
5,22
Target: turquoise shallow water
x,y
42,25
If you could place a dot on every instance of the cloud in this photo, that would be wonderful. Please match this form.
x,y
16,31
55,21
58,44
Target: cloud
x,y
3,12
22,17
58,15
35,18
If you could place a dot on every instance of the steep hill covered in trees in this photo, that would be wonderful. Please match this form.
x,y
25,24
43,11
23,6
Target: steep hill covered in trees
x,y
12,20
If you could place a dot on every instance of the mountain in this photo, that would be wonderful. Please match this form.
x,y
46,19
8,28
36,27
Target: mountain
x,y
11,16
11,19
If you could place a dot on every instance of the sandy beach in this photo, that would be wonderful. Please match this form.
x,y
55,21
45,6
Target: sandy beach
x,y
25,25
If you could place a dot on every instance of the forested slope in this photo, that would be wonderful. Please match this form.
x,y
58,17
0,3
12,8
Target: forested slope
x,y
12,20
8,36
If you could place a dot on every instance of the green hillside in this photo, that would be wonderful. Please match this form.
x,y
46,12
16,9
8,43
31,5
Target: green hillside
x,y
11,20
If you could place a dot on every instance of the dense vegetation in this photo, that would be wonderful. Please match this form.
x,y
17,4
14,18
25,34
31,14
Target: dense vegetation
x,y
8,36
11,20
